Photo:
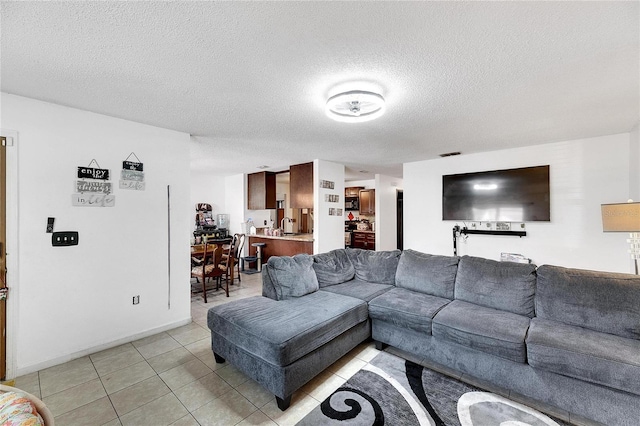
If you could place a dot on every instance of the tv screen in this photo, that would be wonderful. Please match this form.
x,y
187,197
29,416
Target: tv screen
x,y
513,195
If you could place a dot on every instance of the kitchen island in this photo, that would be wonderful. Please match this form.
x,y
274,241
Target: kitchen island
x,y
286,245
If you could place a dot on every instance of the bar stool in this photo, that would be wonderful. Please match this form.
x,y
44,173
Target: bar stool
x,y
259,247
257,258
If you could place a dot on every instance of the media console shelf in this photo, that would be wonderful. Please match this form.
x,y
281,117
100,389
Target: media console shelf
x,y
458,230
491,232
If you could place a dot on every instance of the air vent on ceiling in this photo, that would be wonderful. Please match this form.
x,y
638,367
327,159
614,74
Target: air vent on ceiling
x,y
450,154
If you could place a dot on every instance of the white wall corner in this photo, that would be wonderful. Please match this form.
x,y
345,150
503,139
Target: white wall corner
x,y
328,230
634,163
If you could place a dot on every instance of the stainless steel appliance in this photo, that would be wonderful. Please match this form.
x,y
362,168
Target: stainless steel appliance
x,y
351,203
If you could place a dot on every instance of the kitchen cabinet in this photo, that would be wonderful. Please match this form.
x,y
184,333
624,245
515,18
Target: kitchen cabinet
x,y
364,240
301,186
261,191
353,191
367,201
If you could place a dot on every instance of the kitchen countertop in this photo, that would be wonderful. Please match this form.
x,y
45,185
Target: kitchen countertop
x,y
298,237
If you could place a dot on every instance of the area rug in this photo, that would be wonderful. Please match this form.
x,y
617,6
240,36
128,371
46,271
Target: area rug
x,y
393,391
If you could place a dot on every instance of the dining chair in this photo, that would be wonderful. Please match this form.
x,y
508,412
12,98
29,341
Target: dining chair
x,y
210,268
236,252
226,264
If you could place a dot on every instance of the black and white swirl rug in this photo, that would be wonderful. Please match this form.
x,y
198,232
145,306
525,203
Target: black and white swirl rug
x,y
393,391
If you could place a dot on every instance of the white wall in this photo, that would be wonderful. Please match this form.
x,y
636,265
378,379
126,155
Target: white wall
x,y
584,174
386,211
235,202
74,300
210,189
634,163
366,183
328,231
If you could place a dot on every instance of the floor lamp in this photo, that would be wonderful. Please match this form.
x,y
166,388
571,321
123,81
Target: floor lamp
x,y
624,217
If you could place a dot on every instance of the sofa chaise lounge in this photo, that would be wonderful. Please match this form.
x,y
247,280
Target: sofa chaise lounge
x,y
566,337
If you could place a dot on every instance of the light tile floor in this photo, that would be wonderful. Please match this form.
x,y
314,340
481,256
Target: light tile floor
x,y
171,378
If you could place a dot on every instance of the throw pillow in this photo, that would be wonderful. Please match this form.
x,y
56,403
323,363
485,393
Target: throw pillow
x,y
333,267
292,276
427,273
17,409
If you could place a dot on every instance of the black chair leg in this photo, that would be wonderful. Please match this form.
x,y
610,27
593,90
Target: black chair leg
x,y
283,404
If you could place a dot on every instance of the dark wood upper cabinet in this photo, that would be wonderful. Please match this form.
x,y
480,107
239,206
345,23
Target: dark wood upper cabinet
x,y
352,191
367,201
301,186
261,189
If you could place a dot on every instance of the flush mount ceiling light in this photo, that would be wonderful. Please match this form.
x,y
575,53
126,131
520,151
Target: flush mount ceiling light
x,y
355,106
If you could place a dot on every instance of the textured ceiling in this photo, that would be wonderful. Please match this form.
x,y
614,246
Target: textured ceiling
x,y
249,79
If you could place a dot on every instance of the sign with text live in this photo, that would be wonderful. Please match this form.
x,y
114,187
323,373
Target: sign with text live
x,y
132,184
92,173
93,200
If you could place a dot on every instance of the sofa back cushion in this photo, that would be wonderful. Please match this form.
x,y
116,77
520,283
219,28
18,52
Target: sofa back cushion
x,y
333,267
427,273
506,286
292,276
601,301
375,266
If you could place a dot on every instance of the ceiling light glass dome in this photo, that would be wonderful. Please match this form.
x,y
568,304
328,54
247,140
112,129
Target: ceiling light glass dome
x,y
355,106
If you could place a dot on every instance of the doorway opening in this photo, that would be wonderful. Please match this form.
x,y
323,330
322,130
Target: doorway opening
x,y
399,214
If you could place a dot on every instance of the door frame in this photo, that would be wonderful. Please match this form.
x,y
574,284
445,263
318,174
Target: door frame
x,y
12,250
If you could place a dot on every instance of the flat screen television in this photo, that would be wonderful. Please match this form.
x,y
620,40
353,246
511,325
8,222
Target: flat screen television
x,y
513,195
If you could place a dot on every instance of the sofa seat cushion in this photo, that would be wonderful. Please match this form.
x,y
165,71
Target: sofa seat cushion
x,y
406,308
585,354
280,332
427,273
488,330
362,290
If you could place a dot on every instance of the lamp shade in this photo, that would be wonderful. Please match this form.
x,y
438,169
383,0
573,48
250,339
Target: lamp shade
x,y
621,217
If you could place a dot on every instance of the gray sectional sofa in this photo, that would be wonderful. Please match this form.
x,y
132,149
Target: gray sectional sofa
x,y
566,337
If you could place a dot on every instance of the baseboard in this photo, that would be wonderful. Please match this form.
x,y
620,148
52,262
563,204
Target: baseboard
x,y
94,349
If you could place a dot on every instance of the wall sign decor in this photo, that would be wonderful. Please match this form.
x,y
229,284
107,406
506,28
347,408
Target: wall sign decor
x,y
93,190
132,174
332,198
93,173
91,186
327,184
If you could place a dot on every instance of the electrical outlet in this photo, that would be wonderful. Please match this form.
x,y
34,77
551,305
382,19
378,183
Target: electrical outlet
x,y
136,300
503,226
68,238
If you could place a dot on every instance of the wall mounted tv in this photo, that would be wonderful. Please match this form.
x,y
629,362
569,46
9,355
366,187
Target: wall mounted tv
x,y
513,195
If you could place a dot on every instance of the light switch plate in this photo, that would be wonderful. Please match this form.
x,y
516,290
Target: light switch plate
x,y
50,225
